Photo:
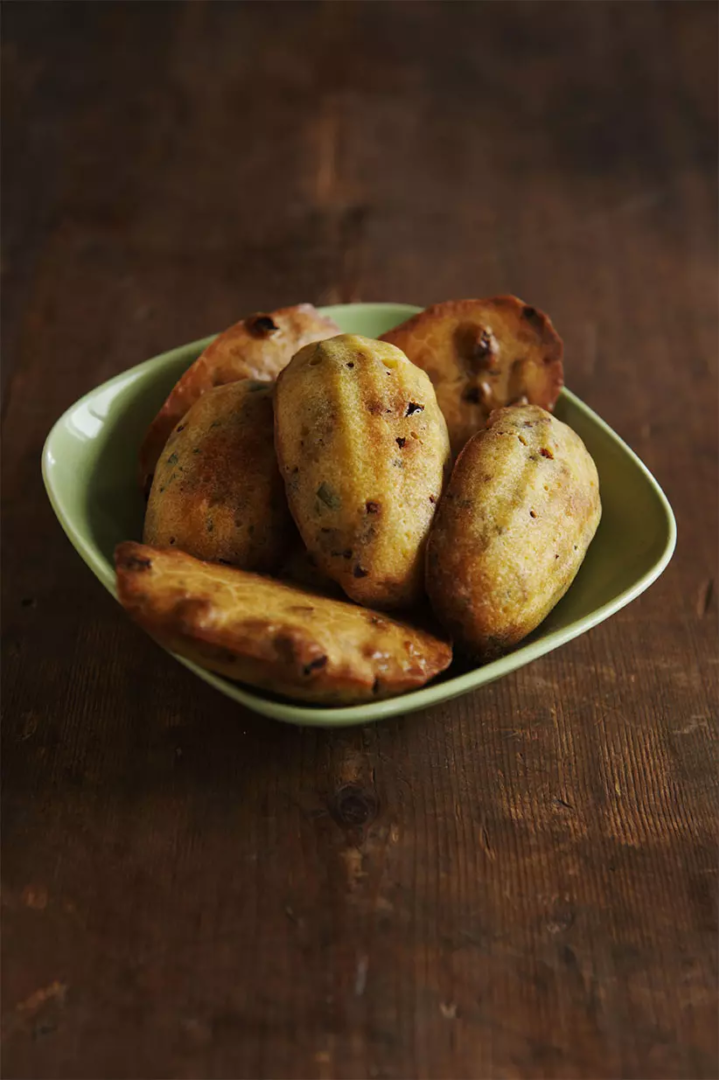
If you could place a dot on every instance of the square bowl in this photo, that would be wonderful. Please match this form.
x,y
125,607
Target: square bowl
x,y
90,473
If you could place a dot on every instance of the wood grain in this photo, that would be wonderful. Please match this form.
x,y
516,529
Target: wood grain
x,y
521,883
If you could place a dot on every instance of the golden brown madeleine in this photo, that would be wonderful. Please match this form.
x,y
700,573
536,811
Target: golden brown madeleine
x,y
513,527
363,448
257,347
217,492
482,355
268,634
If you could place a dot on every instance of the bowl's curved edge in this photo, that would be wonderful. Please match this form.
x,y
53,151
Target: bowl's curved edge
x,y
415,700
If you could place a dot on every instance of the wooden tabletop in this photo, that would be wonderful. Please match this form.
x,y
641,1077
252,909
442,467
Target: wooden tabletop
x,y
519,883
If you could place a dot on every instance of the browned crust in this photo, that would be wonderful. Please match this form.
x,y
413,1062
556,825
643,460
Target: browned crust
x,y
217,493
257,347
482,355
273,635
363,449
512,529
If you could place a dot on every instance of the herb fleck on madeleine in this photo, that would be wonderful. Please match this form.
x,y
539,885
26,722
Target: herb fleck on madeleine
x,y
363,449
512,529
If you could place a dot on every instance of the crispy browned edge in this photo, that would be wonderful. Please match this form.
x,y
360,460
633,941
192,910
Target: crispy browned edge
x,y
287,675
178,401
456,308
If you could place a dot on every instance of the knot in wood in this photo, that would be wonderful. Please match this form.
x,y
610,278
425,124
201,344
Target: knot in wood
x,y
353,805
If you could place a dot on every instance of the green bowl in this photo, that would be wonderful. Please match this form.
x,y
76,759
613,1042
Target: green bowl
x,y
90,472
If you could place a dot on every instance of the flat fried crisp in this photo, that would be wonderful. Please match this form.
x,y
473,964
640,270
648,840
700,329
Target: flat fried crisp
x,y
217,492
257,347
482,355
272,635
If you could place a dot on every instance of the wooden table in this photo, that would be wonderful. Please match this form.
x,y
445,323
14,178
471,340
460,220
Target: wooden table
x,y
524,885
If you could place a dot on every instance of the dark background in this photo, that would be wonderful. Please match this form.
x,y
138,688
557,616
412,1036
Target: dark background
x,y
184,892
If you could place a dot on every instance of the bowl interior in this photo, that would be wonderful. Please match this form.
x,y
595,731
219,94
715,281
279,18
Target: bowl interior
x,y
90,469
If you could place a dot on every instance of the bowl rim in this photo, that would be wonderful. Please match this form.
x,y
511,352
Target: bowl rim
x,y
434,692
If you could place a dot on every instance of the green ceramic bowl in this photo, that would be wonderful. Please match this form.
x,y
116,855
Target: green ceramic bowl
x,y
90,472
